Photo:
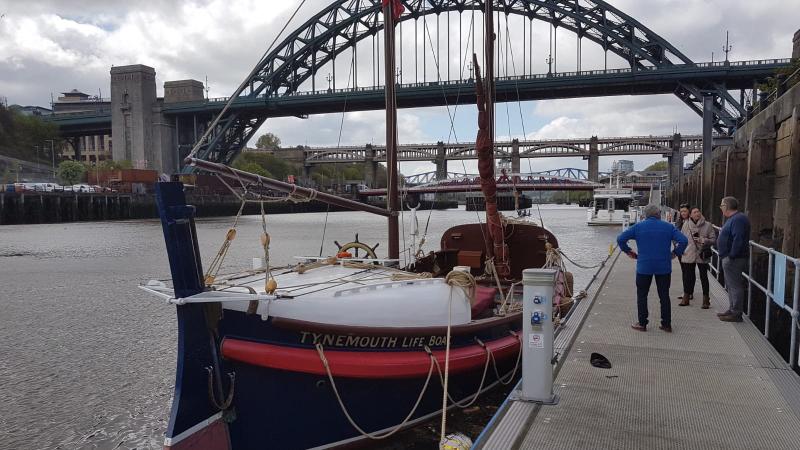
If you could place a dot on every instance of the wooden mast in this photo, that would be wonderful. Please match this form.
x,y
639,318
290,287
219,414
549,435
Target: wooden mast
x,y
498,250
391,128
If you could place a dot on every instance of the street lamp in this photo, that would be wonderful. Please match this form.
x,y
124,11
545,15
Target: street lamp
x,y
52,154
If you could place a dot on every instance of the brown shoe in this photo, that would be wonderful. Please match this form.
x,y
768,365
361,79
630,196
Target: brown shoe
x,y
639,327
706,302
665,328
731,318
685,300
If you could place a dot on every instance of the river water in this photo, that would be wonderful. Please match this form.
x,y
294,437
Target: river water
x,y
87,360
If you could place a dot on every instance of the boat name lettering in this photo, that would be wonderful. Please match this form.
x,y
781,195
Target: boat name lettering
x,y
348,340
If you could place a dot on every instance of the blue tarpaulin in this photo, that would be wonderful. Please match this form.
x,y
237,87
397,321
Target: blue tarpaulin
x,y
779,279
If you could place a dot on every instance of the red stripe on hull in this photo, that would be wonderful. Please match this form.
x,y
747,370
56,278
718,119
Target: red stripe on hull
x,y
357,364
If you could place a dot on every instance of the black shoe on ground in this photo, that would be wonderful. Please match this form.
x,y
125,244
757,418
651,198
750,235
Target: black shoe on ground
x,y
639,327
731,318
668,329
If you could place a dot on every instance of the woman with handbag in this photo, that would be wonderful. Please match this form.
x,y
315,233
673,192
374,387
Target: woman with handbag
x,y
702,236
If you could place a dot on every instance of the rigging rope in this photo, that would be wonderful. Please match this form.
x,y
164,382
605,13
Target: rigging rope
x,y
216,263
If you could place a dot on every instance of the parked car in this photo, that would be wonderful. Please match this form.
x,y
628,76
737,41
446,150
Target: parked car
x,y
82,188
47,187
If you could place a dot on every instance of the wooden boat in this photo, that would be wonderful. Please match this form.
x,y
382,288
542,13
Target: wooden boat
x,y
337,350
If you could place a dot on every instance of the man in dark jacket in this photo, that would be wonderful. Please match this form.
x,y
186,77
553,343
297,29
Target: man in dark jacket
x,y
654,239
733,244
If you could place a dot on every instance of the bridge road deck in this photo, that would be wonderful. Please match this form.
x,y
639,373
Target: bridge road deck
x,y
707,385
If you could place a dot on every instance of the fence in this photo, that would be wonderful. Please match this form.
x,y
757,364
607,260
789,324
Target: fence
x,y
781,269
778,272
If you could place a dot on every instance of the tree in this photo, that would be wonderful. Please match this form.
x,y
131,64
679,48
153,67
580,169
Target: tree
x,y
268,142
26,137
252,167
110,164
659,166
70,172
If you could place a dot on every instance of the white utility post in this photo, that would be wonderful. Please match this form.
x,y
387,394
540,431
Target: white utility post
x,y
537,336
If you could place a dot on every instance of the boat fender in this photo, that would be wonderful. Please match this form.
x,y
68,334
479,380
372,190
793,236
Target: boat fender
x,y
455,441
271,286
344,255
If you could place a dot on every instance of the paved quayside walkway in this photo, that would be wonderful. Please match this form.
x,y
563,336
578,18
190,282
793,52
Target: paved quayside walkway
x,y
708,385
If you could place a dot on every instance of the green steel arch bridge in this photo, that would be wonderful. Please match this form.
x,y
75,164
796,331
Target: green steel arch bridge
x,y
332,64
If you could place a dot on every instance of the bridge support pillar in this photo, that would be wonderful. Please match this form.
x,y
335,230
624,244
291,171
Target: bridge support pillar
x,y
708,128
370,167
133,96
675,160
515,161
594,159
441,162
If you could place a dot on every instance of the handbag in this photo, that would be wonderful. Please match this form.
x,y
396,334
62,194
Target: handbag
x,y
704,252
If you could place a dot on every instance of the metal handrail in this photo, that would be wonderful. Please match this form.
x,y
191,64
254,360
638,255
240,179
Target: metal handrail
x,y
768,290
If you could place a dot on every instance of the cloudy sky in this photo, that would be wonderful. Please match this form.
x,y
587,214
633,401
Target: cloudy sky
x,y
54,46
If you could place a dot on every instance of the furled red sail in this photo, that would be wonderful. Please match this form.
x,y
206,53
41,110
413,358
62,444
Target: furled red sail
x,y
397,7
484,147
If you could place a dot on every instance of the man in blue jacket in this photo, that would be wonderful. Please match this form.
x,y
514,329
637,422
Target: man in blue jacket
x,y
654,239
733,244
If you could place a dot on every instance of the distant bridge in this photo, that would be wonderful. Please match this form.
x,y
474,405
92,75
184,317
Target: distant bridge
x,y
674,148
541,181
543,148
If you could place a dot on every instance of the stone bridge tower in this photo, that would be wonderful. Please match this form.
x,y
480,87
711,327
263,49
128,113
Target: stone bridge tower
x,y
133,96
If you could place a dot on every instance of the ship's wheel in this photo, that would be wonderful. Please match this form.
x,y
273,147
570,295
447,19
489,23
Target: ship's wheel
x,y
356,246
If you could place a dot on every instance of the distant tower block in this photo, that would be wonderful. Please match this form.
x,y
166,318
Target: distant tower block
x,y
796,45
133,96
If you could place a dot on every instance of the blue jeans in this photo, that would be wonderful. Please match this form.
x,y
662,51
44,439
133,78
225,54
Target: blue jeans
x,y
643,288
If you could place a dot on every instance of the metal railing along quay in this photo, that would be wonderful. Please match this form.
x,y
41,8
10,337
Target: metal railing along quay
x,y
779,272
781,268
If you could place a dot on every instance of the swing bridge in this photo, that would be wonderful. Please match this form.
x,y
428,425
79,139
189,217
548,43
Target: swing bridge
x,y
332,63
566,179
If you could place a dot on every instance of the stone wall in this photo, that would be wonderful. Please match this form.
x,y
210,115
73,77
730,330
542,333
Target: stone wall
x,y
762,170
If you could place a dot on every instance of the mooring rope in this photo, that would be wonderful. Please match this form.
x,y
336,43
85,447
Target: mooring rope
x,y
325,363
516,365
480,387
